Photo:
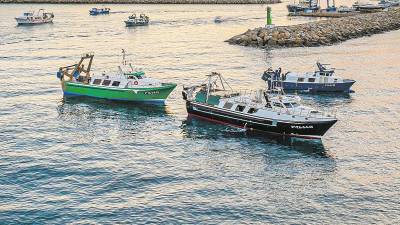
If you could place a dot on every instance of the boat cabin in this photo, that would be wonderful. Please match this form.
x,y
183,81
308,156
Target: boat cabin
x,y
127,80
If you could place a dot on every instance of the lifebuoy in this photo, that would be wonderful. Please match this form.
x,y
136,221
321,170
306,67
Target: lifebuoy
x,y
135,83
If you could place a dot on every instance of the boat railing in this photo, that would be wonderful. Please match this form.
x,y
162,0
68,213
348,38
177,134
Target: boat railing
x,y
243,94
257,97
307,113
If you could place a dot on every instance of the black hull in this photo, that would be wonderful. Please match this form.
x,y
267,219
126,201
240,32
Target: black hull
x,y
312,129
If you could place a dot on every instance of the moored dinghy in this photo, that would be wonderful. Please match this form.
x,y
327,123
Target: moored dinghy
x,y
322,80
269,111
129,84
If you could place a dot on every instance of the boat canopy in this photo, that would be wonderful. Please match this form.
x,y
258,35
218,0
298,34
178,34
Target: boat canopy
x,y
135,73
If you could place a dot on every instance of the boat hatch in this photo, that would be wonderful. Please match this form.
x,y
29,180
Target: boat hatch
x,y
106,82
228,105
97,81
240,108
252,110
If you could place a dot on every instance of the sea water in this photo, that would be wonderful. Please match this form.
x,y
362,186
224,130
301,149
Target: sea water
x,y
90,161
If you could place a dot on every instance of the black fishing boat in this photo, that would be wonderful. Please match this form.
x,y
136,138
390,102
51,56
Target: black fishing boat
x,y
268,111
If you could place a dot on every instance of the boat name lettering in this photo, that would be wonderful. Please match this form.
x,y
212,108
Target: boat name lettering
x,y
302,127
151,92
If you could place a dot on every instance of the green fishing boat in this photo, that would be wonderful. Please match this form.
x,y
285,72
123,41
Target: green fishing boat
x,y
129,84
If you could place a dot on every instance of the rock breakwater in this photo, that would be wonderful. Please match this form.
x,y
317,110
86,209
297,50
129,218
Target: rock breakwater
x,y
144,1
325,32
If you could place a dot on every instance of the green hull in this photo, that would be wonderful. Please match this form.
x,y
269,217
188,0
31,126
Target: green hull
x,y
157,94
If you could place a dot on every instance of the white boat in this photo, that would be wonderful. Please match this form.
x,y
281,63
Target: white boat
x,y
32,18
134,21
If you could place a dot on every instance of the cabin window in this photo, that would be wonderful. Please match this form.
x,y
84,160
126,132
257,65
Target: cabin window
x,y
277,104
228,105
335,80
312,80
97,81
287,105
252,110
106,82
115,83
240,108
300,79
81,78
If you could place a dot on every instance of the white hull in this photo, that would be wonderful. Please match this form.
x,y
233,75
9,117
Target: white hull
x,y
23,21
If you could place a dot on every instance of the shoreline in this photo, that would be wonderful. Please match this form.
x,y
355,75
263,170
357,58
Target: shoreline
x,y
320,33
194,2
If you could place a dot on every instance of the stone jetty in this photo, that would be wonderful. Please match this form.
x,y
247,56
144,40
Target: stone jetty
x,y
324,32
144,1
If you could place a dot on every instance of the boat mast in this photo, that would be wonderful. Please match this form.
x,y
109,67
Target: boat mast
x,y
123,57
209,86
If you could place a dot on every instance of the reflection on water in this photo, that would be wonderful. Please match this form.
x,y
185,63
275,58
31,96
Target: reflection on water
x,y
200,129
91,106
327,99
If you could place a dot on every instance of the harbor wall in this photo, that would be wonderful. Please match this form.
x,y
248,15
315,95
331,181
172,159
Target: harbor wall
x,y
319,33
144,1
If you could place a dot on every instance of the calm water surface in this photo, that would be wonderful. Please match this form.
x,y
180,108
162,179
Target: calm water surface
x,y
87,161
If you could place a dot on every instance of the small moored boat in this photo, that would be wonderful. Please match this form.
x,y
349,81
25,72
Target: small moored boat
x,y
32,18
97,11
218,19
368,8
134,21
303,6
269,111
322,80
129,84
